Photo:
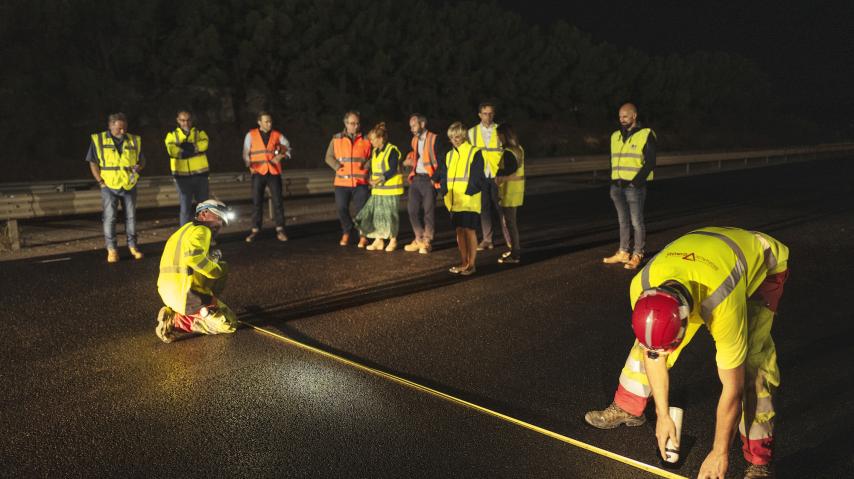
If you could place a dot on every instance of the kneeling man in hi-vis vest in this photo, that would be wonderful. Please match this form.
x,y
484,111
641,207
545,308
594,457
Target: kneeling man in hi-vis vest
x,y
192,276
729,280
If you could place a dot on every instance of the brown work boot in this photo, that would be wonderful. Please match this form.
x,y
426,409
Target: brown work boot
x,y
280,234
363,241
412,247
618,257
425,248
112,256
252,234
755,471
634,261
137,254
392,245
612,417
345,238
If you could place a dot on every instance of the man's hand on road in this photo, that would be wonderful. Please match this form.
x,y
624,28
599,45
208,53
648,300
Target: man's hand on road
x,y
714,467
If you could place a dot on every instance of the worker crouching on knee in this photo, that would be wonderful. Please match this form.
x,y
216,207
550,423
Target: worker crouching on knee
x,y
192,276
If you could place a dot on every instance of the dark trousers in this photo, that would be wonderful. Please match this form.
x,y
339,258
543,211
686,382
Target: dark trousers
x,y
193,188
274,182
343,196
422,198
489,207
511,230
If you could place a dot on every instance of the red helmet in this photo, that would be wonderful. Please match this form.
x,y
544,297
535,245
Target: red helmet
x,y
659,319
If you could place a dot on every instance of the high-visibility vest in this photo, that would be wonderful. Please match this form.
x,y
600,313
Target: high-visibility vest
x,y
379,166
192,165
721,267
458,162
428,159
351,156
512,192
261,155
627,157
185,265
491,152
117,170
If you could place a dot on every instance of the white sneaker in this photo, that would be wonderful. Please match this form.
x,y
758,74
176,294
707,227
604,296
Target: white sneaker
x,y
377,245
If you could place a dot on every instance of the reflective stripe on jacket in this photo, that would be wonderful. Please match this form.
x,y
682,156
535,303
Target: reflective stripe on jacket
x,y
192,165
511,193
351,157
379,166
117,169
491,152
458,161
627,157
185,265
261,155
722,268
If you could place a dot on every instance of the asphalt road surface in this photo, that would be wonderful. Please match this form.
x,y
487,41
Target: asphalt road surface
x,y
89,391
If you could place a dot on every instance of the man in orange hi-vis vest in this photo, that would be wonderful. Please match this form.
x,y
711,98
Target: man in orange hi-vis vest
x,y
263,151
348,154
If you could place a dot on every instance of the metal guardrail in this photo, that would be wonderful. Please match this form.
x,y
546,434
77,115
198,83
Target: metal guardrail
x,y
50,199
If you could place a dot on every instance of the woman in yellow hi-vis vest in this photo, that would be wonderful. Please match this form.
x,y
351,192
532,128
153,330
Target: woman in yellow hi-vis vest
x,y
511,190
380,217
729,280
115,160
192,276
462,180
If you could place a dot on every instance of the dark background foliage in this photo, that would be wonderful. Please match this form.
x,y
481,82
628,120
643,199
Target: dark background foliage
x,y
68,64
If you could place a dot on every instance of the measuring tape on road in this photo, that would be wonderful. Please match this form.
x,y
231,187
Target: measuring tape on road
x,y
420,387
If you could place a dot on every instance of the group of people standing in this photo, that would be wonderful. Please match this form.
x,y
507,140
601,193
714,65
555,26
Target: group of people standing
x,y
479,173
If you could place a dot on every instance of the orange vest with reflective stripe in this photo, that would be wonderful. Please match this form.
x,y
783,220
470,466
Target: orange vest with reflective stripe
x,y
429,158
351,156
261,155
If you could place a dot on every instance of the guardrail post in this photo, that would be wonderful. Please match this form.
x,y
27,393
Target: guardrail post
x,y
13,234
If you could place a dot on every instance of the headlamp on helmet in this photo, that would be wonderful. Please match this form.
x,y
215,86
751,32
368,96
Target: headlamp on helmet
x,y
216,207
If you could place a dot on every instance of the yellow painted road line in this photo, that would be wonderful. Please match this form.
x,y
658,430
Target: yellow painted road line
x,y
560,437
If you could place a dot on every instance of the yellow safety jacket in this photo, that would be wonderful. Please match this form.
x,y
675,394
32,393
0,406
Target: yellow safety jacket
x,y
379,166
117,170
627,157
187,166
491,152
185,266
722,268
511,193
458,162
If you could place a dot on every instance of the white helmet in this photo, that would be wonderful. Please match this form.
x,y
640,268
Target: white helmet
x,y
216,207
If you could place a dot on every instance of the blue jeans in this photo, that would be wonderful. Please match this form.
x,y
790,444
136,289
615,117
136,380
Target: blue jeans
x,y
343,196
628,201
191,188
110,201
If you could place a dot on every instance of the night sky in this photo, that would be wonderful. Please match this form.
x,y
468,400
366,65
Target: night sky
x,y
805,48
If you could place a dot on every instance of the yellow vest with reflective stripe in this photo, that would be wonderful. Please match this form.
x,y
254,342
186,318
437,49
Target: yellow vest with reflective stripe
x,y
511,193
379,166
721,267
117,170
627,157
491,152
187,166
185,265
458,162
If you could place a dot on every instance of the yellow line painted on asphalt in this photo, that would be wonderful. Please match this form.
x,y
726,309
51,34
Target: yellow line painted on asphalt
x,y
560,437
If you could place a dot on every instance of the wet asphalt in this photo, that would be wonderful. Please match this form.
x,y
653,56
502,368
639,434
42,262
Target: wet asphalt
x,y
88,390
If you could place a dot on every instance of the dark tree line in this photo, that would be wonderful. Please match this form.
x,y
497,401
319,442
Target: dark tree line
x,y
67,64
